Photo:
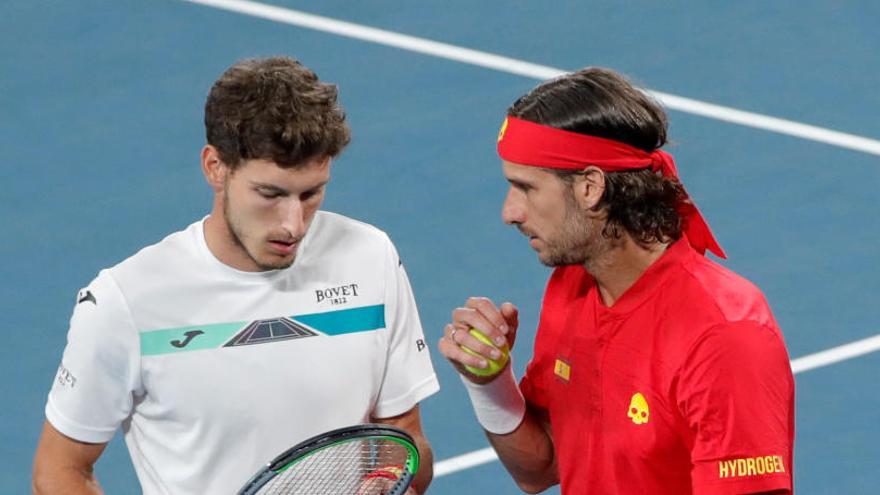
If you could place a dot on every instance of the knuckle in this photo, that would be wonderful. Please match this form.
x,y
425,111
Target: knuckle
x,y
460,314
478,302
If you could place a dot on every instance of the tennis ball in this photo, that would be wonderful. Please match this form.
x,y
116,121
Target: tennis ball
x,y
494,365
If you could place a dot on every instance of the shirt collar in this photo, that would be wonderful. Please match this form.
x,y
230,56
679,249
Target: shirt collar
x,y
651,281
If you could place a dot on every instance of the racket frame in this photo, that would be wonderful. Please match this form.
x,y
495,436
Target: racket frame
x,y
315,444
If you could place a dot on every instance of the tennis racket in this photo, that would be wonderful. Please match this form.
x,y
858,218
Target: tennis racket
x,y
366,459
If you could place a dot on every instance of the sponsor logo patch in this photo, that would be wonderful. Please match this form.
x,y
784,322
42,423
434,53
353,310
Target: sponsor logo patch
x,y
562,369
638,409
65,378
86,295
271,330
751,466
337,295
188,338
502,130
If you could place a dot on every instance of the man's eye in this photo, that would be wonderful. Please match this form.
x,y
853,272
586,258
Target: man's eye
x,y
269,194
310,194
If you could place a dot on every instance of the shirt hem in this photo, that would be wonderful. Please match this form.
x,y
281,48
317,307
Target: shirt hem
x,y
75,430
743,486
404,403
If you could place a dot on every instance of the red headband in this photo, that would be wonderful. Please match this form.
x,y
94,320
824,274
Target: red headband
x,y
527,143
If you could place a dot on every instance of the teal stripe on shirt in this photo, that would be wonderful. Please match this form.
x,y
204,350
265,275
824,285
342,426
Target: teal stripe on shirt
x,y
347,320
215,335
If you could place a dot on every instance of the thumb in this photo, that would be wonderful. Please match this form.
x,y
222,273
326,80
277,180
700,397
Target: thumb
x,y
511,316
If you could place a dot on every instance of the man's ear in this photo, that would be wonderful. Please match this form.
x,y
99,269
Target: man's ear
x,y
213,167
589,187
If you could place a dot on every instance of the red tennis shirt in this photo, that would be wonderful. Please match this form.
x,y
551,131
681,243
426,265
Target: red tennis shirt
x,y
682,386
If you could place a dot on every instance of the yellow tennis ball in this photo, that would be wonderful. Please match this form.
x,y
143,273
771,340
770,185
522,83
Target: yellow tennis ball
x,y
494,365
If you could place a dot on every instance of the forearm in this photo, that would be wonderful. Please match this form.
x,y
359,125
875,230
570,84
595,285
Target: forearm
x,y
63,465
517,432
66,481
426,465
411,422
528,455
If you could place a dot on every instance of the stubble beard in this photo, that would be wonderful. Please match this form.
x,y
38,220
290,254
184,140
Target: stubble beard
x,y
238,237
579,241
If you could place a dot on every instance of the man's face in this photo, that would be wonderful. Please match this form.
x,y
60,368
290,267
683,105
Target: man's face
x,y
268,210
543,208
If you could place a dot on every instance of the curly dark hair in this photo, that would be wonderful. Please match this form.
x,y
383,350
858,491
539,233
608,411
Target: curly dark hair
x,y
603,103
274,109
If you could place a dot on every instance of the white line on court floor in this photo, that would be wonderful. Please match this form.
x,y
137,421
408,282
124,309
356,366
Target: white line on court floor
x,y
519,67
799,365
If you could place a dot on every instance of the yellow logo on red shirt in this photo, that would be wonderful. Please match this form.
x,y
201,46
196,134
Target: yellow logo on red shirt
x,y
503,128
751,466
562,369
638,409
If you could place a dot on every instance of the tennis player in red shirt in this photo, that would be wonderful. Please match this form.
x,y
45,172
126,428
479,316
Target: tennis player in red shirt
x,y
655,369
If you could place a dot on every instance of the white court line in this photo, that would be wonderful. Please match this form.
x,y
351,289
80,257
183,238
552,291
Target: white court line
x,y
521,68
799,365
836,354
464,461
541,72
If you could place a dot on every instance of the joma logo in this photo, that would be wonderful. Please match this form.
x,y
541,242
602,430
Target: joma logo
x,y
337,295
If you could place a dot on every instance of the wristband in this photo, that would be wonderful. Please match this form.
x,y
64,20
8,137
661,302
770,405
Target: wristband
x,y
392,473
499,404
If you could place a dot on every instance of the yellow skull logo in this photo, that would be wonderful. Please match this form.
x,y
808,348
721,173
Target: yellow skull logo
x,y
638,409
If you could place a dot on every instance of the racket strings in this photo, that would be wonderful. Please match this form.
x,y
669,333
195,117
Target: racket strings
x,y
361,467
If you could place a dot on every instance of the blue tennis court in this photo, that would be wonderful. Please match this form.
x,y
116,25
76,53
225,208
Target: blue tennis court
x,y
101,125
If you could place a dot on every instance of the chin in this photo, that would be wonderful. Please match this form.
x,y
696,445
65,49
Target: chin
x,y
274,263
554,260
548,261
267,267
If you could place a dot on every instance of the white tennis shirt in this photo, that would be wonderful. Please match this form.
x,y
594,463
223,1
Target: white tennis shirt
x,y
211,372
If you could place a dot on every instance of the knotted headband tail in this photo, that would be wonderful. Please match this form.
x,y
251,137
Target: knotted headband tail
x,y
527,143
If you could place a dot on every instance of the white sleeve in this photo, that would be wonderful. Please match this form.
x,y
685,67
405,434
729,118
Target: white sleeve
x,y
93,390
409,375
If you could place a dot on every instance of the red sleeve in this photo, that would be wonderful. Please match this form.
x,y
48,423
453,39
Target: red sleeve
x,y
736,392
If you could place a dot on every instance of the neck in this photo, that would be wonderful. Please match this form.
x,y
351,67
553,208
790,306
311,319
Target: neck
x,y
221,242
621,265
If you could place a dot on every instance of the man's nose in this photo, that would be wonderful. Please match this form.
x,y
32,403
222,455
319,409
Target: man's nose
x,y
511,211
293,220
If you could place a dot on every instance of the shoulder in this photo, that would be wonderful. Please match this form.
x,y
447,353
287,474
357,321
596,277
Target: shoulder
x,y
171,254
707,289
115,289
101,310
332,232
743,343
334,222
730,318
715,315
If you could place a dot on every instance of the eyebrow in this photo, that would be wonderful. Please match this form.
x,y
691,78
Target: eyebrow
x,y
519,183
280,190
270,188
